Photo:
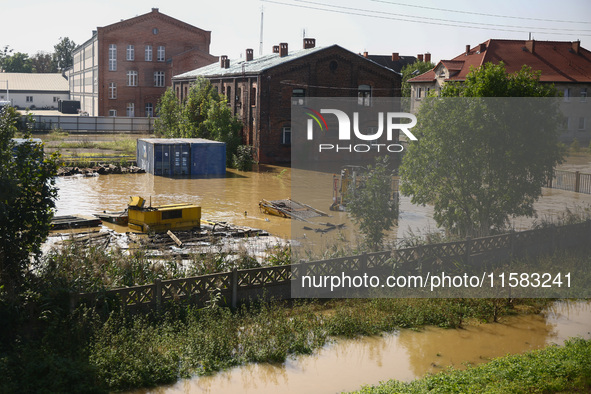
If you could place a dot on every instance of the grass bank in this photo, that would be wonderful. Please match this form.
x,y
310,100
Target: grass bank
x,y
555,369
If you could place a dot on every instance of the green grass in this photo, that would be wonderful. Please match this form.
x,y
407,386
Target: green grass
x,y
555,369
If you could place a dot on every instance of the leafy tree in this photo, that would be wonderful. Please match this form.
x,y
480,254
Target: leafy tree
x,y
370,206
42,62
203,114
481,161
63,55
412,70
18,63
27,195
4,54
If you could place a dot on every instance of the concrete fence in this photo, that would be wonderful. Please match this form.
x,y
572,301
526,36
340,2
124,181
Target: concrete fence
x,y
92,124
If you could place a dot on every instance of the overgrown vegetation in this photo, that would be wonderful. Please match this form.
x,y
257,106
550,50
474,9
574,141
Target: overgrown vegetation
x,y
555,369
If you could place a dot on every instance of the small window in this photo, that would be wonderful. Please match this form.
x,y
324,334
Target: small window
x,y
581,123
130,53
253,97
112,112
567,94
112,57
149,110
174,214
364,95
229,94
286,136
298,96
583,95
29,99
161,54
112,90
148,53
55,99
566,123
418,93
159,78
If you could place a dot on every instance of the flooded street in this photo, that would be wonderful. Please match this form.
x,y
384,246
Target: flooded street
x,y
405,355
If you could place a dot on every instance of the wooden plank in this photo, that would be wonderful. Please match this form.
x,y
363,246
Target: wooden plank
x,y
174,238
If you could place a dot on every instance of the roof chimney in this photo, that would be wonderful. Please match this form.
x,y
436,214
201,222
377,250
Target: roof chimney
x,y
482,47
275,48
365,54
395,56
249,54
530,45
467,49
420,57
154,9
427,57
309,43
576,46
283,49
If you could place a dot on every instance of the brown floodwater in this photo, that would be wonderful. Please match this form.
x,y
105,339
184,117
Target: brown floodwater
x,y
405,355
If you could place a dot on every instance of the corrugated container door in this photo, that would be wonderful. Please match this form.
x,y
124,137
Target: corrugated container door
x,y
157,159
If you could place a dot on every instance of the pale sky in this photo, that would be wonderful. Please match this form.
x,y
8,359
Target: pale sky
x,y
408,27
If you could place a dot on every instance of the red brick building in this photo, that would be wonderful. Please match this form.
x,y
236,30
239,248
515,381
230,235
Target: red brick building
x,y
124,68
261,91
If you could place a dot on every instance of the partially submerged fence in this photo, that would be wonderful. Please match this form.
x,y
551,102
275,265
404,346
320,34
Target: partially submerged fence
x,y
573,181
238,286
92,124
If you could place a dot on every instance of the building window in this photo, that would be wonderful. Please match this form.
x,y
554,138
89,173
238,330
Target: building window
x,y
567,94
298,97
418,93
583,95
130,53
364,95
148,53
112,57
253,97
130,110
286,136
132,78
581,123
229,94
112,90
29,99
160,54
159,78
55,99
112,112
149,110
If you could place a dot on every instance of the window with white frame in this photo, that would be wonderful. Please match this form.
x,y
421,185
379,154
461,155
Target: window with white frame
x,y
149,110
159,78
130,53
112,90
132,78
160,54
112,112
286,136
364,95
567,94
130,110
583,95
112,57
29,99
418,93
148,53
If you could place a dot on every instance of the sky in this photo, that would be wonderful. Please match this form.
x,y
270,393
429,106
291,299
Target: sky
x,y
409,27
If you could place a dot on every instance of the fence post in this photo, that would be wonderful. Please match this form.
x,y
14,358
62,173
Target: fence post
x,y
158,294
363,263
577,181
468,251
234,281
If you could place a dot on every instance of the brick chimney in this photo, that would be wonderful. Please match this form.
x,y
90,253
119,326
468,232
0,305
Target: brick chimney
x,y
223,59
365,55
482,47
530,45
395,56
309,43
420,57
275,48
154,9
249,54
283,49
576,46
467,49
427,57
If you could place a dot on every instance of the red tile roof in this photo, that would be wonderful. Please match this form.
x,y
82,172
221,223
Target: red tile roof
x,y
558,60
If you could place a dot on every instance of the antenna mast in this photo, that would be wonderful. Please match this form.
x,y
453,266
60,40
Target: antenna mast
x,y
261,40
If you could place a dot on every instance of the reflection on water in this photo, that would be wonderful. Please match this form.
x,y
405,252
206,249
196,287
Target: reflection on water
x,y
406,355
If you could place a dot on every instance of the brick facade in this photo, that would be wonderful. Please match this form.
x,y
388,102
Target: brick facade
x,y
261,96
137,73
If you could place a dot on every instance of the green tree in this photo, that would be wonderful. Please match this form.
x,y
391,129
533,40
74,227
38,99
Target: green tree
x,y
27,199
412,70
480,159
18,63
204,114
42,62
63,53
4,54
370,205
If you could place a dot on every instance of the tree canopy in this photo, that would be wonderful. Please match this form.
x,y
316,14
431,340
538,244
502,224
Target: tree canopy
x,y
27,197
484,150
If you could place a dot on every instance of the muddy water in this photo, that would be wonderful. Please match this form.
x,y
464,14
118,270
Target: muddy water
x,y
406,355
